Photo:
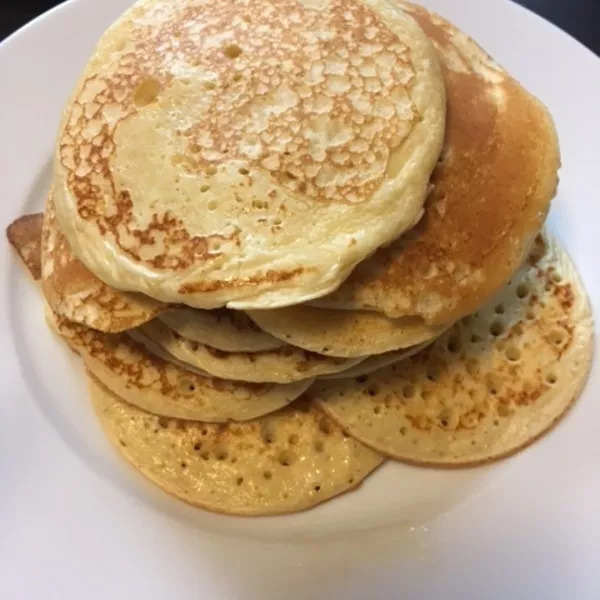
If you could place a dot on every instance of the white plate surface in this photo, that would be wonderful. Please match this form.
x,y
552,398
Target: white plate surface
x,y
76,521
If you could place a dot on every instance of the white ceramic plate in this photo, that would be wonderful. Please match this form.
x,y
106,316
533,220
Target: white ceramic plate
x,y
76,521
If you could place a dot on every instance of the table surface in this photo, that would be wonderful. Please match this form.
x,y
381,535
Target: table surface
x,y
581,18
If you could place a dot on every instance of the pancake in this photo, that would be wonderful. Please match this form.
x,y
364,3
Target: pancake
x,y
283,141
376,362
490,386
228,330
25,236
283,463
153,348
492,189
164,388
282,365
73,292
347,333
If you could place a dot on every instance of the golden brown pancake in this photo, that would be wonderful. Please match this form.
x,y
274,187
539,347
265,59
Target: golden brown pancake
x,y
376,362
283,142
283,463
129,370
281,365
492,189
221,328
25,235
491,385
348,333
74,292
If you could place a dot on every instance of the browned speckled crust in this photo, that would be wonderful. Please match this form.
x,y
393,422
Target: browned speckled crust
x,y
491,194
269,276
24,235
167,388
74,292
491,385
87,142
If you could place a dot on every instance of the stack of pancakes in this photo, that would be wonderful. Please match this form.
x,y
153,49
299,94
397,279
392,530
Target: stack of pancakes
x,y
291,238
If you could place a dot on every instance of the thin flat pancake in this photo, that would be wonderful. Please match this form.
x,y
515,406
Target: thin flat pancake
x,y
283,463
348,333
376,362
224,329
490,386
162,387
492,189
75,293
282,365
151,346
25,235
283,142
145,379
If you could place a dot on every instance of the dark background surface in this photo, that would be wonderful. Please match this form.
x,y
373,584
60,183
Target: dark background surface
x,y
581,18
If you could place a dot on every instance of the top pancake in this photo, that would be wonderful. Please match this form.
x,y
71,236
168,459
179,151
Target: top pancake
x,y
493,186
247,154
